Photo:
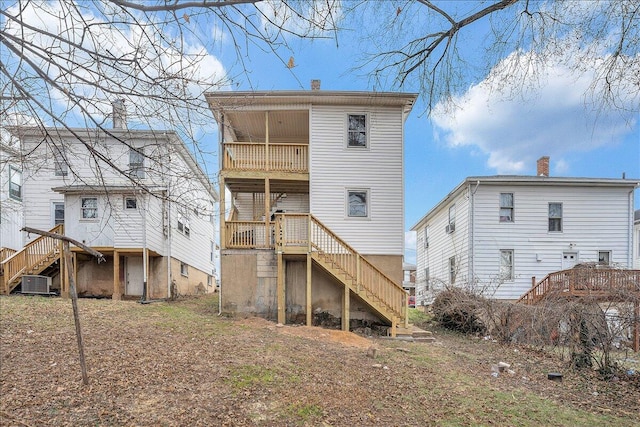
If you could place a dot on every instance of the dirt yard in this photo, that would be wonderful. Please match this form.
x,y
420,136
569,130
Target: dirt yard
x,y
179,364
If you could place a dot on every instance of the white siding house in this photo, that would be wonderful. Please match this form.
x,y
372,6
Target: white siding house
x,y
11,216
636,239
137,196
509,229
312,175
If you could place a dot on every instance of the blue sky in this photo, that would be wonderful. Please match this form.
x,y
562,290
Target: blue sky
x,y
492,130
489,135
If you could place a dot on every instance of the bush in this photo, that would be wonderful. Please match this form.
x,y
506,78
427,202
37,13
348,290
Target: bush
x,y
458,310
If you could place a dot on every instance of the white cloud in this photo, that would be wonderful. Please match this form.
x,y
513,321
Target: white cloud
x,y
151,60
549,115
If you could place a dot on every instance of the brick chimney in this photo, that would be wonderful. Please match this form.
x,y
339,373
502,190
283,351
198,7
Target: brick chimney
x,y
315,84
119,115
543,166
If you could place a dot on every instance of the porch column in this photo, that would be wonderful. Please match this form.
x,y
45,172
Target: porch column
x,y
282,302
223,226
309,312
345,308
267,213
117,295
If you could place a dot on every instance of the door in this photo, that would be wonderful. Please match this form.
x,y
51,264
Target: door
x,y
134,276
569,259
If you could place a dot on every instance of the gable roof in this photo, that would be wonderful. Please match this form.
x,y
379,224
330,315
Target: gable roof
x,y
526,180
169,136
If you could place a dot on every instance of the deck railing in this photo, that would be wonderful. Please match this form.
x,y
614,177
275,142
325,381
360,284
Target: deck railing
x,y
249,235
31,259
243,156
595,282
6,253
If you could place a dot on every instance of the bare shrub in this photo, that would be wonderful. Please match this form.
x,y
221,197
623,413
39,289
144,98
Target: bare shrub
x,y
458,310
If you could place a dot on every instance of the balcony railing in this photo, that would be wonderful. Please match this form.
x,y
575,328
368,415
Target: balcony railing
x,y
249,235
242,156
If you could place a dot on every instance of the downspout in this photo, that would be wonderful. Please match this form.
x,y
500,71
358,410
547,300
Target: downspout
x,y
168,225
472,230
223,209
145,294
630,225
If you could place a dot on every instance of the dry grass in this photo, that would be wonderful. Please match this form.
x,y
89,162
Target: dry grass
x,y
179,364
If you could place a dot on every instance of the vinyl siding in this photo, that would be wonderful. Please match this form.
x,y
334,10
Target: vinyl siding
x,y
117,227
11,213
594,219
335,168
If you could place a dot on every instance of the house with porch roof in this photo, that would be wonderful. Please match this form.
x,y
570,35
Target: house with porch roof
x,y
312,188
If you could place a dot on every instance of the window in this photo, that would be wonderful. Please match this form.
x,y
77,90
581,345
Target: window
x,y
209,281
452,219
357,203
58,213
555,216
15,183
604,257
506,264
426,237
506,207
357,130
452,270
60,166
426,279
184,269
183,225
130,203
89,208
136,162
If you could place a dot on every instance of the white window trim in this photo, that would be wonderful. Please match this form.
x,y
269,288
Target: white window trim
x,y
561,217
125,205
610,256
184,269
512,207
367,191
14,170
53,211
366,129
183,222
82,209
60,165
511,276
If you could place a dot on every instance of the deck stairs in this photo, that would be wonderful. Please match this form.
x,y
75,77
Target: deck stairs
x,y
36,257
303,233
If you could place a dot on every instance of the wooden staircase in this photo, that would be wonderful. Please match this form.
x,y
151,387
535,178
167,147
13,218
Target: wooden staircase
x,y
594,282
34,258
303,233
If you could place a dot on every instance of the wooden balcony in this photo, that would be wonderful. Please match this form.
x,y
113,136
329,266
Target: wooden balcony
x,y
246,157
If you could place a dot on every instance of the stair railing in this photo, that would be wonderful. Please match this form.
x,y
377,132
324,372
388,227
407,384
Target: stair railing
x,y
360,274
31,256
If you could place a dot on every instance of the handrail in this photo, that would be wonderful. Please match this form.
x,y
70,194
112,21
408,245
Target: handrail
x,y
601,282
28,257
251,156
6,253
359,272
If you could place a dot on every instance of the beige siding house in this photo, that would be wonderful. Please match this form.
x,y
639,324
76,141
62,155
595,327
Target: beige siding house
x,y
313,219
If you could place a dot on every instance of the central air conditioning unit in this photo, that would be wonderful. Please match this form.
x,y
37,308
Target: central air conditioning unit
x,y
32,284
450,228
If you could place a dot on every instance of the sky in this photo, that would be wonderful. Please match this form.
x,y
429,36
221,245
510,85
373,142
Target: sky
x,y
490,130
